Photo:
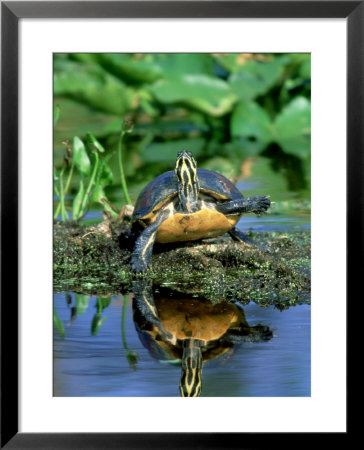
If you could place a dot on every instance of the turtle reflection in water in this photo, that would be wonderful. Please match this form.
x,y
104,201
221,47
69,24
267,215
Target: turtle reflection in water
x,y
192,331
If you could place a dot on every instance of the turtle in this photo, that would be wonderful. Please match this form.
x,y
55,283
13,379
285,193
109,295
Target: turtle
x,y
191,331
187,204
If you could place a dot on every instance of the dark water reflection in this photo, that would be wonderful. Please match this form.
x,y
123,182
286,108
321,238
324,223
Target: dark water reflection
x,y
97,359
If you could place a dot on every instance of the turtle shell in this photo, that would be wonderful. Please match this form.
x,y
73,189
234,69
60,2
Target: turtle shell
x,y
163,188
188,318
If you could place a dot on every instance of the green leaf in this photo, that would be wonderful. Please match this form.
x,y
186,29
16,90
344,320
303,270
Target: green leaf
x,y
103,302
80,156
106,175
250,120
148,108
230,61
225,166
293,127
77,201
174,64
208,94
96,323
56,114
305,69
89,58
98,193
58,323
256,78
92,85
244,147
55,175
104,178
108,208
137,68
82,302
78,119
165,152
93,143
134,67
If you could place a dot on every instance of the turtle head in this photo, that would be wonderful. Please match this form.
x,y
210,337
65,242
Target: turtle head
x,y
188,186
190,383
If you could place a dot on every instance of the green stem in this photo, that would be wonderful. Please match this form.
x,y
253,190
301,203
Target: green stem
x,y
121,168
57,210
131,356
64,216
56,193
69,178
89,187
123,318
65,189
58,323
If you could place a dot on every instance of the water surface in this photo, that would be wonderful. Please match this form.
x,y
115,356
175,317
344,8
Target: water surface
x,y
86,365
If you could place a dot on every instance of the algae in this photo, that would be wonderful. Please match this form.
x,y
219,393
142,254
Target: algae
x,y
275,271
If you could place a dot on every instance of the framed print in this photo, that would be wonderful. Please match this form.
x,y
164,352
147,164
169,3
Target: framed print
x,y
123,125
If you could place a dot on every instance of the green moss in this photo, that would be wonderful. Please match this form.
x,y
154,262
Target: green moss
x,y
90,260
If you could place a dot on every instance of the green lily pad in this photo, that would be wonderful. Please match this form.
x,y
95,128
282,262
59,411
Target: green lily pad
x,y
293,127
250,120
134,67
207,94
256,78
93,86
189,63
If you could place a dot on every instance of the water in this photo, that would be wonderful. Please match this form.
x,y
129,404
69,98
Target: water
x,y
97,365
274,223
86,365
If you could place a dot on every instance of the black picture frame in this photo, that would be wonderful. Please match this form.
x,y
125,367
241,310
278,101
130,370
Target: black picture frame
x,y
11,13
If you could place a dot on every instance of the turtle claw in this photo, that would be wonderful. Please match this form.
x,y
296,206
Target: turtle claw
x,y
255,205
262,204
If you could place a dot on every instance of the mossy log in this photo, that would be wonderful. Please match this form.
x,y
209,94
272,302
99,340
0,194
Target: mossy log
x,y
90,260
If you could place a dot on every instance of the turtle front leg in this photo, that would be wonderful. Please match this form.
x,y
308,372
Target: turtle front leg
x,y
244,205
143,248
246,333
144,302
